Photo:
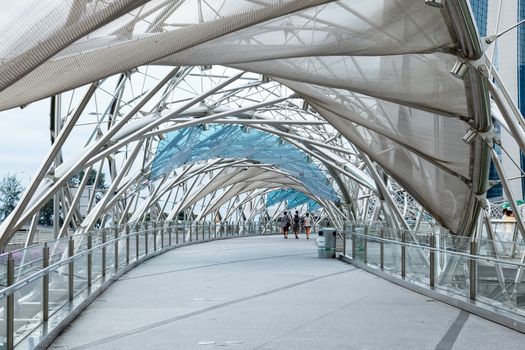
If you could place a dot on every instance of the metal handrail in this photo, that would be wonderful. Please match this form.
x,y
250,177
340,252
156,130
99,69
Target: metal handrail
x,y
160,231
507,291
429,248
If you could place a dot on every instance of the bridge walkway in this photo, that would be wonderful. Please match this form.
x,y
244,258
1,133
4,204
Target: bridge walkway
x,y
270,293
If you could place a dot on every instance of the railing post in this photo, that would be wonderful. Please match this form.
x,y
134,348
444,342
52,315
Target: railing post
x,y
162,235
146,229
177,233
127,244
103,253
345,229
45,284
196,231
191,232
170,231
353,242
115,234
203,232
71,268
137,242
154,236
432,260
89,259
473,270
382,249
403,254
10,312
365,245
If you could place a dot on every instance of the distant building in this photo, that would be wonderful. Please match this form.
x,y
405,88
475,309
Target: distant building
x,y
509,58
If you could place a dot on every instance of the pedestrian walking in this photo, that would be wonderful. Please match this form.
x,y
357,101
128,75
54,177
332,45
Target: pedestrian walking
x,y
296,227
285,224
307,224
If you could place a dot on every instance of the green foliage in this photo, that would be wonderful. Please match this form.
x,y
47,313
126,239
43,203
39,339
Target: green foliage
x,y
46,214
77,179
10,190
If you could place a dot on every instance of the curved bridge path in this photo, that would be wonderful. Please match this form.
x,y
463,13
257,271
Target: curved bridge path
x,y
270,293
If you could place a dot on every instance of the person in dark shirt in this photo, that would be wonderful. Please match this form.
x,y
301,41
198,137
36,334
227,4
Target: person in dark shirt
x,y
285,223
295,226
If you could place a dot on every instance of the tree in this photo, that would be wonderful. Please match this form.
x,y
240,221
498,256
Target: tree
x,y
46,214
77,179
10,189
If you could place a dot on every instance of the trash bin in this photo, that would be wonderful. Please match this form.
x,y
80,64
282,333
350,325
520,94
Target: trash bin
x,y
326,242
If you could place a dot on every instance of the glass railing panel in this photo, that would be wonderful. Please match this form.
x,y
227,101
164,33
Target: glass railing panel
x,y
58,250
28,308
500,277
418,257
132,247
80,274
110,256
27,261
152,236
203,232
96,258
392,250
499,285
349,242
142,243
3,324
195,233
359,242
3,270
122,251
58,289
162,236
3,301
177,232
452,267
374,246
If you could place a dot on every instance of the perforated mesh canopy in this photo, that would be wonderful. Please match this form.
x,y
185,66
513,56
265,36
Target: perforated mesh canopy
x,y
377,70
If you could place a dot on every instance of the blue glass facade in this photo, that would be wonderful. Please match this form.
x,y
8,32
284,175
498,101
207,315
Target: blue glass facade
x,y
480,9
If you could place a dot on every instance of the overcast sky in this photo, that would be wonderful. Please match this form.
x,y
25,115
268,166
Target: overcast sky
x,y
25,139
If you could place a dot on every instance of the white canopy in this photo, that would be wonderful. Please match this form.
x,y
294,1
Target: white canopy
x,y
377,70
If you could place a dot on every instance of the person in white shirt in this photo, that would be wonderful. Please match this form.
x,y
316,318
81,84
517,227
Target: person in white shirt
x,y
307,224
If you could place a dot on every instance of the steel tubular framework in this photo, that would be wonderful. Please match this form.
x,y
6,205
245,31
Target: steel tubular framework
x,y
407,148
395,103
341,128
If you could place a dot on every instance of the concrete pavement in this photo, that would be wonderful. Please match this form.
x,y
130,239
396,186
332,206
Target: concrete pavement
x,y
270,293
